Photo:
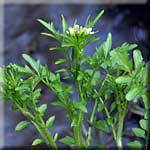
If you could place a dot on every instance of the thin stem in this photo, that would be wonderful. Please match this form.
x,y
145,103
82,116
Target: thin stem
x,y
39,124
44,132
108,116
91,121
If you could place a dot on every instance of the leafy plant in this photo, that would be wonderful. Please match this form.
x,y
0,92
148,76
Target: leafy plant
x,y
108,75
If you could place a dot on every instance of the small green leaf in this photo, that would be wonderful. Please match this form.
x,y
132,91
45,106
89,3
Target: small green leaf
x,y
32,62
138,59
144,124
60,61
137,91
107,45
113,106
139,132
92,23
50,122
37,142
123,79
62,70
80,105
22,125
101,125
42,108
55,137
100,107
67,140
49,26
57,103
135,145
64,24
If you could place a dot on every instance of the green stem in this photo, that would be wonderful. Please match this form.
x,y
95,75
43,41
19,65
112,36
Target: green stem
x,y
78,128
120,129
78,131
91,121
108,116
148,104
44,132
40,126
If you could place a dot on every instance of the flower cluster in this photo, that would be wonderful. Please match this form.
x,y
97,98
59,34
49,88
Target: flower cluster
x,y
79,30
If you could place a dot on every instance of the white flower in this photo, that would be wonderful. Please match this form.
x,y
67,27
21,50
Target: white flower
x,y
79,30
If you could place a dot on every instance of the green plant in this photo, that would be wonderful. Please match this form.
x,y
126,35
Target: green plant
x,y
109,72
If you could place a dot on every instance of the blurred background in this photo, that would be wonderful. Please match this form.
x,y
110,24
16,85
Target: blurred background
x,y
127,23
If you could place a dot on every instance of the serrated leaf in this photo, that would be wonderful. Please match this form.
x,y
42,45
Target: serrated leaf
x,y
36,142
144,124
101,125
135,144
137,91
122,60
60,61
67,140
42,108
123,79
139,132
22,125
50,122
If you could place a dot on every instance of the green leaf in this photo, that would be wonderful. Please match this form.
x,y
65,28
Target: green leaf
x,y
67,140
50,122
64,24
123,79
49,26
101,125
22,125
107,45
144,124
36,94
92,23
125,47
133,92
55,137
57,103
42,108
62,70
138,59
48,34
139,132
31,61
37,142
100,107
25,69
113,106
122,60
96,78
60,61
80,105
135,145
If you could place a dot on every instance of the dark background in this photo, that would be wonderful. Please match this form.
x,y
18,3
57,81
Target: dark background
x,y
128,23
